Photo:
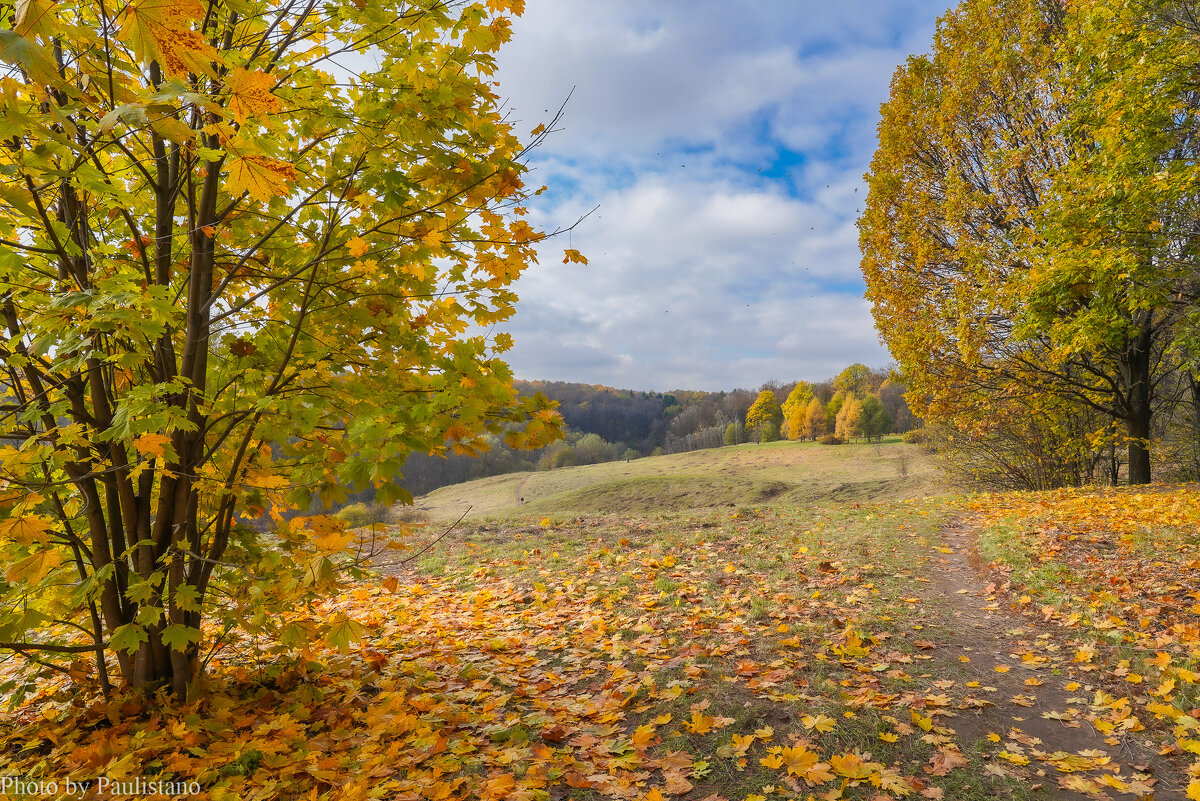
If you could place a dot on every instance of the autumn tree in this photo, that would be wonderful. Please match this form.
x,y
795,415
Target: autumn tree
x,y
849,418
795,422
732,434
954,244
236,274
891,395
815,418
1119,237
855,379
765,416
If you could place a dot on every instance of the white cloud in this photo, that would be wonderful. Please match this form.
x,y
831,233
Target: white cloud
x,y
711,265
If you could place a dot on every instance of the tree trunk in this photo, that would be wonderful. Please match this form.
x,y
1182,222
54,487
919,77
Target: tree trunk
x,y
1195,382
1135,375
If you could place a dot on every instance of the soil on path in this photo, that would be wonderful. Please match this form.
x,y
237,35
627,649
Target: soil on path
x,y
1024,671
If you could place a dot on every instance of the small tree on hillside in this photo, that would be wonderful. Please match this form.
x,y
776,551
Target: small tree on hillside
x,y
875,420
733,434
765,416
815,419
849,418
795,409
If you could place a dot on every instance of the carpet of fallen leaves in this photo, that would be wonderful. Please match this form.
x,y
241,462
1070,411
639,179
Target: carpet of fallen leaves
x,y
1117,572
742,655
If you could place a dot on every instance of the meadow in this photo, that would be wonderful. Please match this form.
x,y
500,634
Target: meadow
x,y
752,623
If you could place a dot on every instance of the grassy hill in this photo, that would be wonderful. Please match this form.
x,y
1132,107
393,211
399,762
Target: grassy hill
x,y
788,473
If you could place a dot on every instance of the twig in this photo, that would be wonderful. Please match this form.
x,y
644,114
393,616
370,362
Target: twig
x,y
431,543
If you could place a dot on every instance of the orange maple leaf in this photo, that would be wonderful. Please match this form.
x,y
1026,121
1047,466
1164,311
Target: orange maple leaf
x,y
643,736
152,444
945,761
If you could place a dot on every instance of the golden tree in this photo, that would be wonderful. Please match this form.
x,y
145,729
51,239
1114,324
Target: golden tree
x,y
236,273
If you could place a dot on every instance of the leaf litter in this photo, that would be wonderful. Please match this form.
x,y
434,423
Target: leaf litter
x,y
739,655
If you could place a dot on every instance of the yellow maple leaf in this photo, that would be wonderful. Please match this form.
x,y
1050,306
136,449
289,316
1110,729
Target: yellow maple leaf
x,y
851,766
261,177
33,567
250,94
821,723
357,246
741,742
1080,784
24,530
799,760
1016,759
700,723
500,786
333,541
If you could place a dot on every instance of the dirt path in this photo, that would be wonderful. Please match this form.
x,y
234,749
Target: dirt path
x,y
1039,702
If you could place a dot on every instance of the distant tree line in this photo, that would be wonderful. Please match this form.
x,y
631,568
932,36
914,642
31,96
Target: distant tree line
x,y
858,403
605,424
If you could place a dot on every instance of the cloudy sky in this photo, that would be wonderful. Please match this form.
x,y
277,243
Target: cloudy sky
x,y
724,145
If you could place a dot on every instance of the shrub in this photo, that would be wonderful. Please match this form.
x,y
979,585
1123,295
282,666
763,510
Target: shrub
x,y
361,514
830,439
918,436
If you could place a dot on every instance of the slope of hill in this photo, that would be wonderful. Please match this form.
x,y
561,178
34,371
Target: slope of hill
x,y
790,473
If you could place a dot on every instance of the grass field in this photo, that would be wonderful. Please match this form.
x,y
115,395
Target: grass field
x,y
781,473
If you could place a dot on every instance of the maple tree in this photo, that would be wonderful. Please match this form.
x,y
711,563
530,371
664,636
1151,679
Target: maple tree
x,y
1118,226
236,274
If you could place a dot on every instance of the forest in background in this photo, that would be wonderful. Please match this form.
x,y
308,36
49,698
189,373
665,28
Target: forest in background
x,y
604,424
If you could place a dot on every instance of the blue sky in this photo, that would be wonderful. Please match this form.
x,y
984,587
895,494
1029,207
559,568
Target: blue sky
x,y
724,144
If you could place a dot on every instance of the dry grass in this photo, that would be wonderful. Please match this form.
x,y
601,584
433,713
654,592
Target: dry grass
x,y
783,473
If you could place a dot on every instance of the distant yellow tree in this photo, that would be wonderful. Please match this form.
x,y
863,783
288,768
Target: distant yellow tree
x,y
765,416
814,419
854,378
849,418
795,411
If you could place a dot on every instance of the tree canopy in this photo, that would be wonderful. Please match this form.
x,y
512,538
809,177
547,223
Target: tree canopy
x,y
765,416
1009,239
252,252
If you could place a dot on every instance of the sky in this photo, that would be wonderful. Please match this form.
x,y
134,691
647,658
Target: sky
x,y
723,147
